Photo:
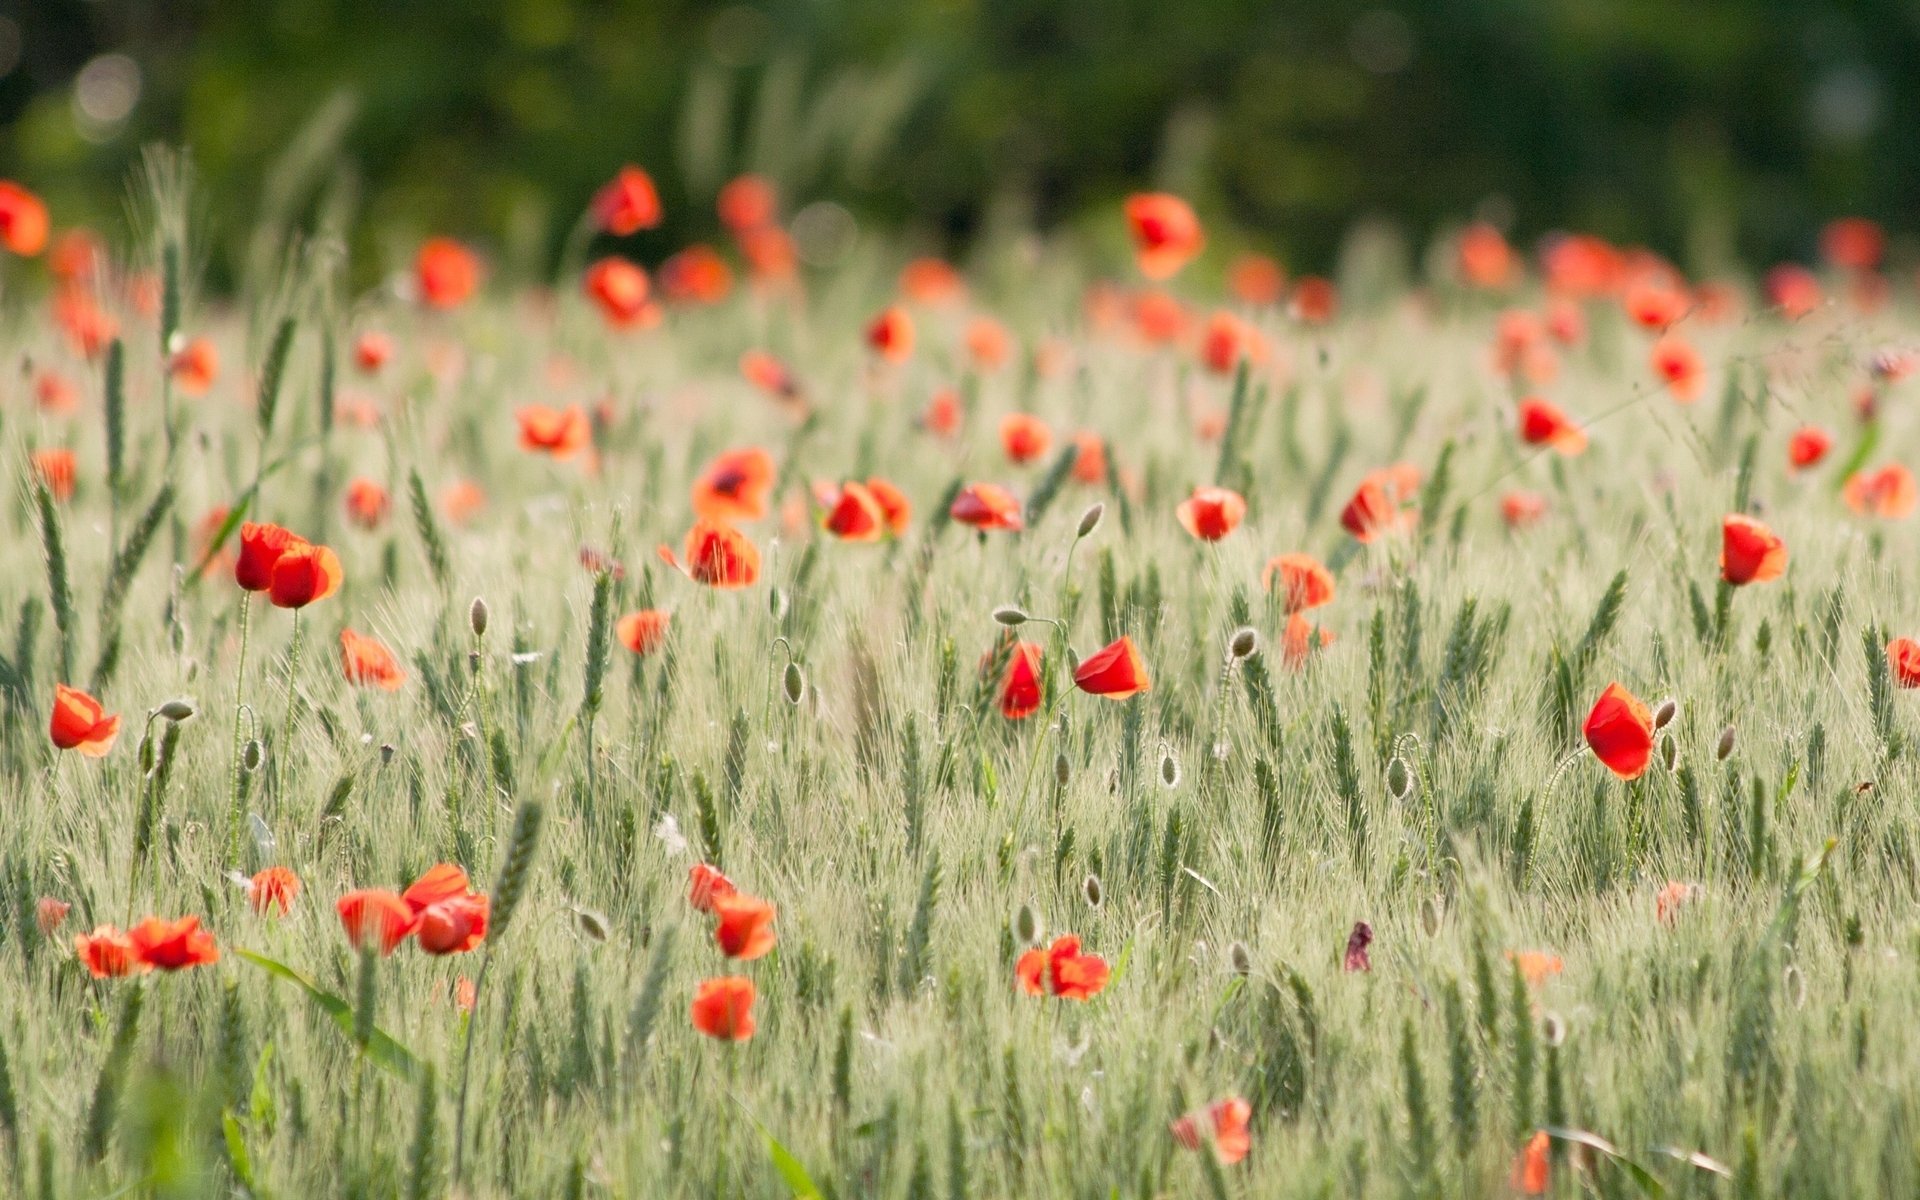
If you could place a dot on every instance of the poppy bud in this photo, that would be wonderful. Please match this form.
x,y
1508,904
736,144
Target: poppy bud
x,y
1399,778
1169,769
1027,927
477,617
252,755
1062,769
1553,1031
1664,715
1240,959
176,710
1432,911
473,661
1093,891
1010,615
795,683
386,753
590,923
1245,642
1090,519
1724,747
1669,754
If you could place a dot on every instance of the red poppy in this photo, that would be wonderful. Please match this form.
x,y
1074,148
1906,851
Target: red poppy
x,y
1025,437
1316,301
1308,583
173,945
1903,658
367,503
1533,1166
375,917
1114,671
89,327
274,887
735,486
366,662
620,289
55,468
76,255
1620,731
1853,243
894,506
987,506
705,884
644,631
1793,290
1672,898
770,375
890,335
989,345
1581,265
1223,341
1356,959
1485,258
1536,966
723,1008
1211,513
696,275
79,723
108,954
1166,234
1566,322
1158,318
1020,690
1297,641
942,415
1888,492
447,273
746,203
931,281
50,914
854,514
194,367
1090,464
1749,551
1374,510
55,394
1257,280
371,351
1808,445
1677,364
745,929
1061,970
304,574
23,220
260,548
441,882
453,926
718,555
561,433
1222,1123
1520,509
1655,303
1543,424
462,500
627,203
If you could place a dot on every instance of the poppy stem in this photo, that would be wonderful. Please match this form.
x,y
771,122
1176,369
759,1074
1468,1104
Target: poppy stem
x,y
284,751
235,804
466,1070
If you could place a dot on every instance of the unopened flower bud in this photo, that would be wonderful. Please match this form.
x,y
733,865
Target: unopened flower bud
x,y
477,617
1553,1030
1169,769
252,755
1094,892
1724,747
1433,911
1240,959
1664,715
794,683
1062,769
1090,519
1399,778
1010,615
1245,641
590,923
386,753
176,710
1027,926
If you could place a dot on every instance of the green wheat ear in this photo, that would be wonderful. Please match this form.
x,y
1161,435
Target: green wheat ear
x,y
516,870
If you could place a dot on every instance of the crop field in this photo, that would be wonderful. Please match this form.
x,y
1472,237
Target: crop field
x,y
1106,719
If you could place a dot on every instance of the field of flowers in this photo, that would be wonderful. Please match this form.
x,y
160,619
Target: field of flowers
x,y
715,727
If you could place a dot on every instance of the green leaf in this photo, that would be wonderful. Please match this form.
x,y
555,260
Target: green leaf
x,y
792,1171
1649,1184
381,1048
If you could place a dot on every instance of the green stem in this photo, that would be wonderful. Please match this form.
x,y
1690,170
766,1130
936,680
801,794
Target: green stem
x,y
235,815
284,751
466,1072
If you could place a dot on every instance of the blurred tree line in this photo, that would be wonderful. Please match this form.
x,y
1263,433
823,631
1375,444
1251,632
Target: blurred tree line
x,y
1710,129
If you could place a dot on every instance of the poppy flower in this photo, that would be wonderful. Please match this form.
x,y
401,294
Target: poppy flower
x,y
644,631
1888,492
76,255
1308,583
1211,513
1535,966
620,290
1090,464
770,375
1533,1166
745,929
987,506
1678,366
1024,437
1355,959
1297,641
173,945
1620,731
1316,300
1224,340
462,500
1257,280
853,514
895,509
1222,1123
1672,898
441,882
79,723
55,394
1853,243
1374,510
747,202
931,281
1750,552
1655,303
452,926
23,220
261,546
304,574
561,433
890,335
696,275
1793,290
1808,445
1166,234
941,417
371,350
1520,509
88,326
1158,318
1114,671
108,954
375,917
718,555
627,203
989,345
367,503
274,887
366,662
446,272
50,914
1903,658
1543,424
1484,257
735,485
723,1008
194,367
55,468
1061,970
705,885
1020,690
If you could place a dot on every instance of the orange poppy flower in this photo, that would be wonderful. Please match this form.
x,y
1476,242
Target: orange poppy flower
x,y
1297,641
620,289
770,375
931,281
55,467
1808,445
1316,301
1484,258
375,917
440,883
1520,509
50,914
1166,234
1115,671
446,272
1655,303
261,546
1536,966
1025,437
987,506
1211,513
371,351
894,506
989,345
1678,366
696,275
890,334
1158,318
1543,424
1222,1123
1223,341
1090,465
1308,583
304,574
644,631
367,503
1887,491
1903,658
1020,690
854,514
366,662
745,929
76,255
108,954
274,887
561,433
735,485
723,1008
462,500
173,945
89,327
1374,510
1533,1166
718,555
1793,290
1620,731
1672,898
194,367
453,926
55,394
1257,280
627,203
1750,552
705,884
942,415
1061,970
23,220
1566,322
746,203
1853,243
79,723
